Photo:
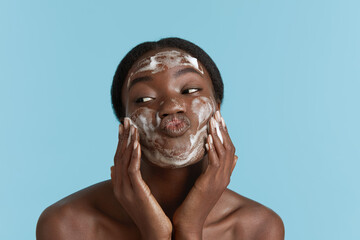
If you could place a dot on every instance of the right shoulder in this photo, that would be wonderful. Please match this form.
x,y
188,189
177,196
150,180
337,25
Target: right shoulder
x,y
73,217
61,221
90,213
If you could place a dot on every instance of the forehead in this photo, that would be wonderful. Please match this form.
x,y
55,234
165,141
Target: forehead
x,y
163,59
166,58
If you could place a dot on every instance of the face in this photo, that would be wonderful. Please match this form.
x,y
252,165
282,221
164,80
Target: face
x,y
169,97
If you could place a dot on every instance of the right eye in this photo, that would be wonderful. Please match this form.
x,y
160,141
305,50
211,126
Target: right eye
x,y
143,99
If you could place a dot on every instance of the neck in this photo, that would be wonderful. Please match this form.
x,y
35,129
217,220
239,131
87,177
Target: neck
x,y
170,186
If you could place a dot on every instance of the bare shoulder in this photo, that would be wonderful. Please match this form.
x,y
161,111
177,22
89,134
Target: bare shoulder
x,y
74,217
249,219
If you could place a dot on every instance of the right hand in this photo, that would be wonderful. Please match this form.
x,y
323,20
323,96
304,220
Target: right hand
x,y
132,192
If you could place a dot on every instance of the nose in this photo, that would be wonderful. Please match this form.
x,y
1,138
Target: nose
x,y
171,106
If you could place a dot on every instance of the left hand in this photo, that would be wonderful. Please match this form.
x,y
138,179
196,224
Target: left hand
x,y
189,218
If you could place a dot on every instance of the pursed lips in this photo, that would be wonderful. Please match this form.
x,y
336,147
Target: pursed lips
x,y
175,125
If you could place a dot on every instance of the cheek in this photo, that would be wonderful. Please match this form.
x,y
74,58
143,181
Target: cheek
x,y
143,119
204,108
146,120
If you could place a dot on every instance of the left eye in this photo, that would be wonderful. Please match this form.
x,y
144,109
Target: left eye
x,y
143,99
190,90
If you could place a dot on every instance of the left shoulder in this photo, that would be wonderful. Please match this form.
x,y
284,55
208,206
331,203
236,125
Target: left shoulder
x,y
250,219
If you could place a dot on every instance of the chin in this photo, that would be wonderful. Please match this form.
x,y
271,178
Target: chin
x,y
171,159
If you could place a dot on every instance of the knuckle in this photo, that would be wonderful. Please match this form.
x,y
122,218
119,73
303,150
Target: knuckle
x,y
124,136
215,164
132,171
221,152
227,181
117,194
126,198
227,145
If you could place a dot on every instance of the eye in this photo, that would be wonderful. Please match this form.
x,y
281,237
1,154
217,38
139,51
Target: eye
x,y
190,90
143,99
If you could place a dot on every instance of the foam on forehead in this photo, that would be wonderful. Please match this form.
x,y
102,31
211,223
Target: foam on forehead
x,y
165,60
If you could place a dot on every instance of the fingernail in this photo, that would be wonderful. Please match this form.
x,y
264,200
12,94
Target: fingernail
x,y
210,139
126,123
217,116
223,122
132,130
121,130
129,139
218,132
207,146
213,122
136,143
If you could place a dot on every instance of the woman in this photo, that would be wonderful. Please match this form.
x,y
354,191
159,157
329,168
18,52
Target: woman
x,y
173,161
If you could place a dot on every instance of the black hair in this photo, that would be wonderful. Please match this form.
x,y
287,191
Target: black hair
x,y
138,51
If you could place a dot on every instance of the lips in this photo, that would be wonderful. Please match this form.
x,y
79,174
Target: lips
x,y
175,125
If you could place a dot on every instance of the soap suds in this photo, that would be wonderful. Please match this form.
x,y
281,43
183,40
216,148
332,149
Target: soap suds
x,y
154,144
165,60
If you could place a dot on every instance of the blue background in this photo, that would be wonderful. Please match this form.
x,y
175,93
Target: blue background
x,y
291,73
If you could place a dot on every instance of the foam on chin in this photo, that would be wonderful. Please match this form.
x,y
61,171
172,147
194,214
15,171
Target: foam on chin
x,y
154,145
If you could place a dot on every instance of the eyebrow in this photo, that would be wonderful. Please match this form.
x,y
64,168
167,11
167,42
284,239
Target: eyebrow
x,y
176,75
184,71
139,79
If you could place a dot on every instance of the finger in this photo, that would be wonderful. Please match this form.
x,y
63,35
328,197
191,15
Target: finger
x,y
134,166
126,134
216,138
118,148
217,117
223,130
137,181
213,160
122,161
128,145
116,169
227,143
126,159
234,164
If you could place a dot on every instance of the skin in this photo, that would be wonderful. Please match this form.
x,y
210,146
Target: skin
x,y
146,201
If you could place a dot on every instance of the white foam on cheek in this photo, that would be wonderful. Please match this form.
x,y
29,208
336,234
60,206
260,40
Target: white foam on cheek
x,y
204,107
154,145
144,120
158,119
